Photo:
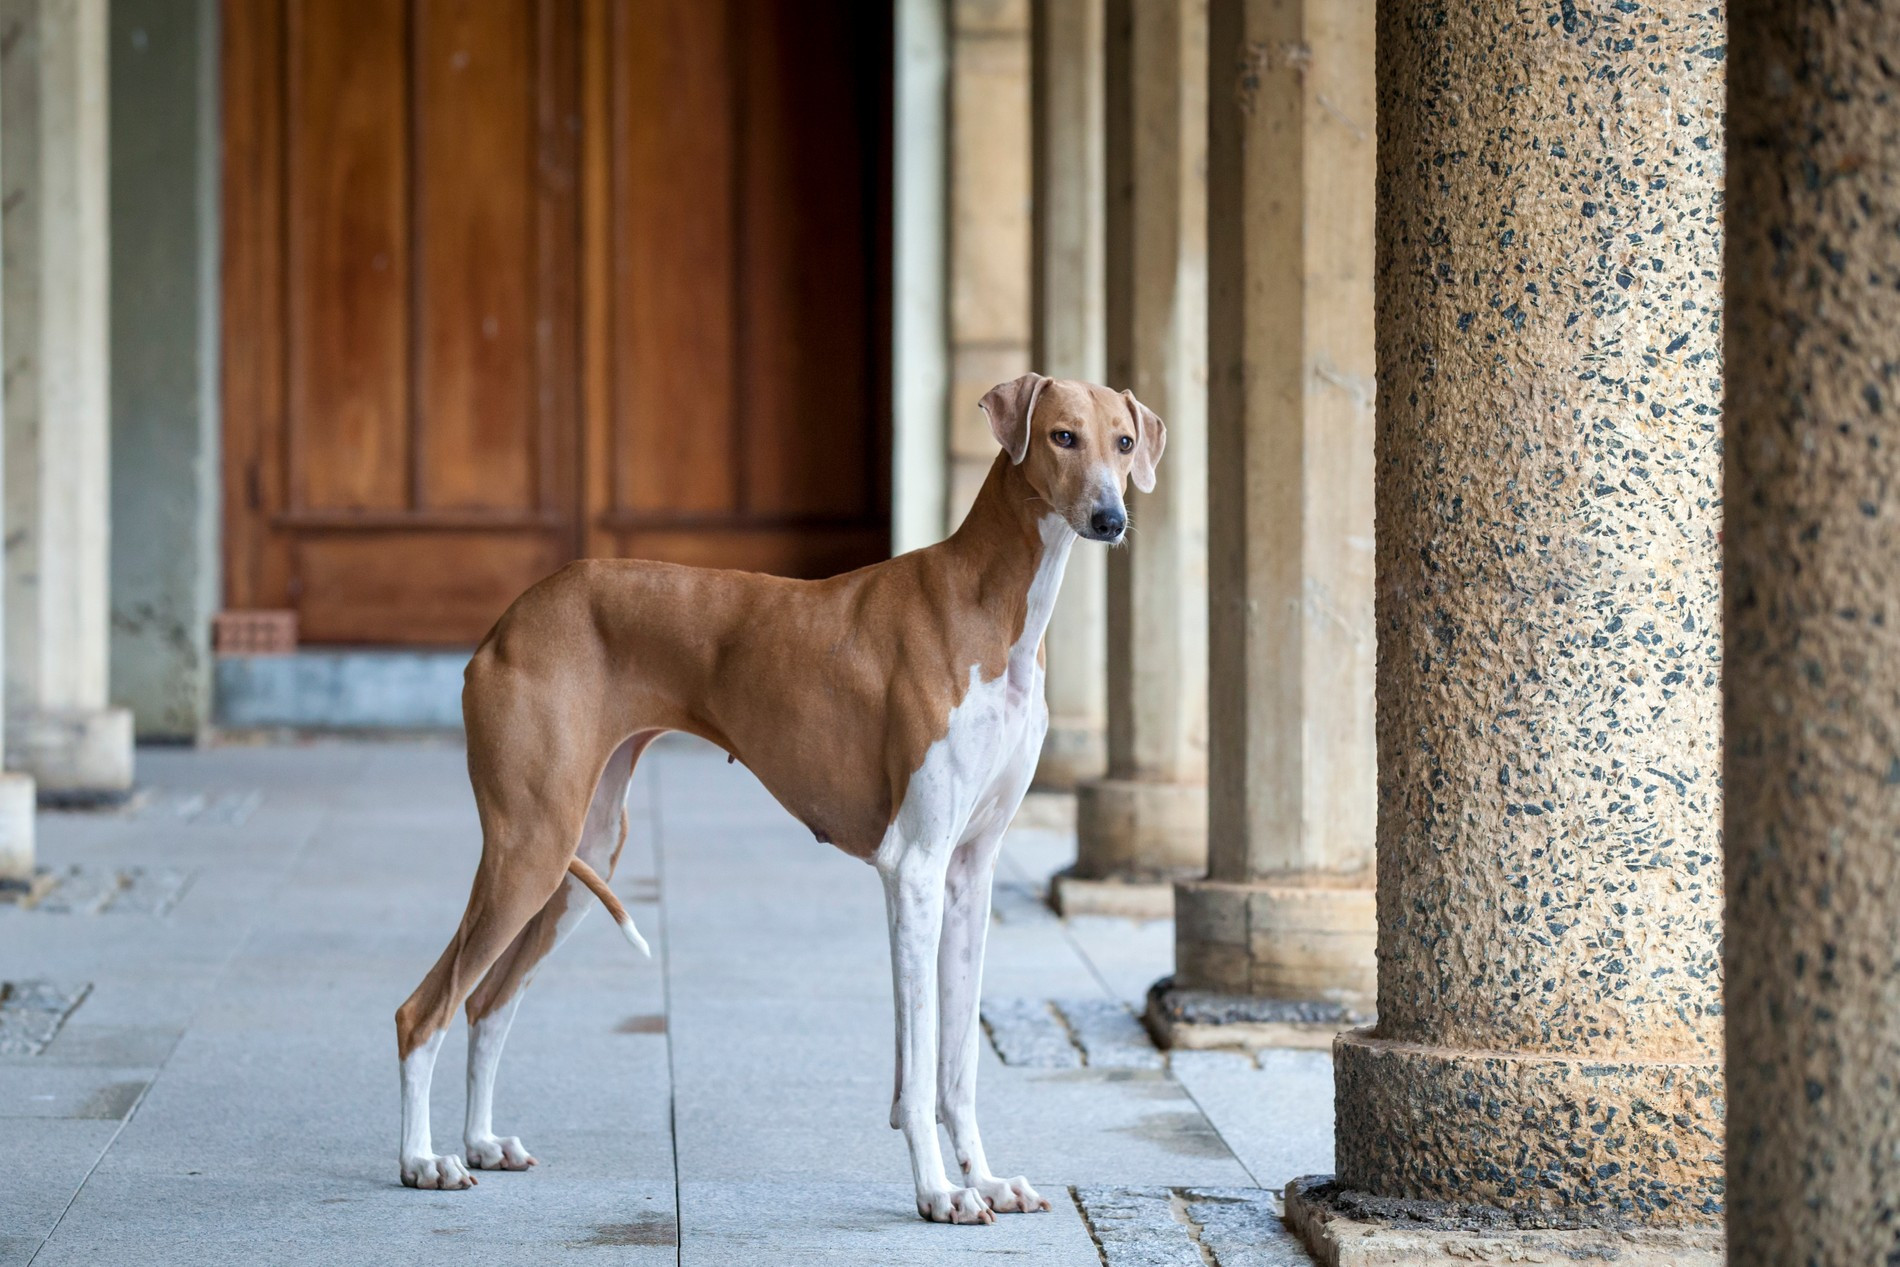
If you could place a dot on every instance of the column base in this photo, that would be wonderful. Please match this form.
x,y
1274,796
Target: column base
x,y
16,830
1128,897
76,757
1342,1228
1633,1141
1073,752
1279,942
1045,809
1140,830
1208,1020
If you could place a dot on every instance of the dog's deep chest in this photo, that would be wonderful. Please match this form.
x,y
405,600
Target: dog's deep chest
x,y
973,777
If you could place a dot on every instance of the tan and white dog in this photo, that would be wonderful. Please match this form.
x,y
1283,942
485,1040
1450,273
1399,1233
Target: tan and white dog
x,y
897,711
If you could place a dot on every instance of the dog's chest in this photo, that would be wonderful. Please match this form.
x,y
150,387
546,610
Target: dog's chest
x,y
990,750
972,778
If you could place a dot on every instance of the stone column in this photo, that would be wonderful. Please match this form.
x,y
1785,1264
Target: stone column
x,y
1280,932
1548,615
17,803
989,227
1068,335
53,170
165,339
16,790
1813,635
1146,822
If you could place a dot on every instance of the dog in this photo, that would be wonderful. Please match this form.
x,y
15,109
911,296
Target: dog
x,y
897,711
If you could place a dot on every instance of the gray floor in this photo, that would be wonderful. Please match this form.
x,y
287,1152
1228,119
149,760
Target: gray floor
x,y
227,1093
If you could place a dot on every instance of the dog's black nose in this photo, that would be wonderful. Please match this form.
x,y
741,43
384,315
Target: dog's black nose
x,y
1107,523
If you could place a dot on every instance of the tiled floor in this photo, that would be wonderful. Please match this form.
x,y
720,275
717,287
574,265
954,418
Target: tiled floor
x,y
226,1092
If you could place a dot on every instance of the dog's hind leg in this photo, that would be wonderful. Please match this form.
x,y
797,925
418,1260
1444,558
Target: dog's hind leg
x,y
530,825
492,1006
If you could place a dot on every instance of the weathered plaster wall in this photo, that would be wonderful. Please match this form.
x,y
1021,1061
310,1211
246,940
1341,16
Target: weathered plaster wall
x,y
1548,501
1813,568
165,340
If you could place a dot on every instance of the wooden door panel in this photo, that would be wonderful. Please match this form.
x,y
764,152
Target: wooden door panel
x,y
507,281
348,255
475,279
737,359
807,126
402,233
417,588
672,323
807,550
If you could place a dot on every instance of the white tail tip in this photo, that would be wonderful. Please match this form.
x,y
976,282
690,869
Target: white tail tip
x,y
633,935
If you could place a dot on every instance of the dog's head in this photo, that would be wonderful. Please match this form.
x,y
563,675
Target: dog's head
x,y
1078,445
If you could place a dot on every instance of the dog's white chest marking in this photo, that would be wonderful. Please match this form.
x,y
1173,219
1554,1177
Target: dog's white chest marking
x,y
973,778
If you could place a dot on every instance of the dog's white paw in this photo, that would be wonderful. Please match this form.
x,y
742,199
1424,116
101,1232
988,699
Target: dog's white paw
x,y
1011,1196
492,1152
955,1205
443,1174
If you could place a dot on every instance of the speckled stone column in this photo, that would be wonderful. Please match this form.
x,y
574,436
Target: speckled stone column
x,y
1548,613
1068,316
1147,821
60,726
1281,929
1813,572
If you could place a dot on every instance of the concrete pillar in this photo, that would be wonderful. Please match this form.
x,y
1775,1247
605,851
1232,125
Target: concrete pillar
x,y
17,796
17,804
1548,615
989,226
53,171
1147,820
1813,635
1281,929
165,339
1068,342
920,339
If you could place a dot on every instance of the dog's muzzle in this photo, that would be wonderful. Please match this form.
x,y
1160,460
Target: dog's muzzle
x,y
1107,523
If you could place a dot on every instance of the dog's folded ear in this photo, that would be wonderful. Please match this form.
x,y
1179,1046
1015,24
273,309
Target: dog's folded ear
x,y
1150,438
1010,406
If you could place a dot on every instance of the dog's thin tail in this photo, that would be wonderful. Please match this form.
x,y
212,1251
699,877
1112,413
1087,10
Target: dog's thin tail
x,y
591,878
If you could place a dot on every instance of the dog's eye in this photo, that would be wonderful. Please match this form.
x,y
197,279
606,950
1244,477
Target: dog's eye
x,y
1127,444
1066,439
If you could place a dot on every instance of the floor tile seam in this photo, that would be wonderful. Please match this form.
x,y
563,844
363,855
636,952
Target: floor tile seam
x,y
1168,1067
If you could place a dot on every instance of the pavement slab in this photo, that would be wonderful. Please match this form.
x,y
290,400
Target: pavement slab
x,y
225,1091
31,1012
1109,1035
1028,1034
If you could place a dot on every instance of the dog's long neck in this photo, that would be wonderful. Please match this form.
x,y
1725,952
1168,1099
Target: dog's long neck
x,y
1015,547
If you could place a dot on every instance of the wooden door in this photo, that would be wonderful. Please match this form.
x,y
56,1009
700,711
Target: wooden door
x,y
736,193
512,281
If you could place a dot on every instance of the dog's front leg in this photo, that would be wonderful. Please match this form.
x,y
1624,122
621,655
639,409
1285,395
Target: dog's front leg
x,y
913,878
966,926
